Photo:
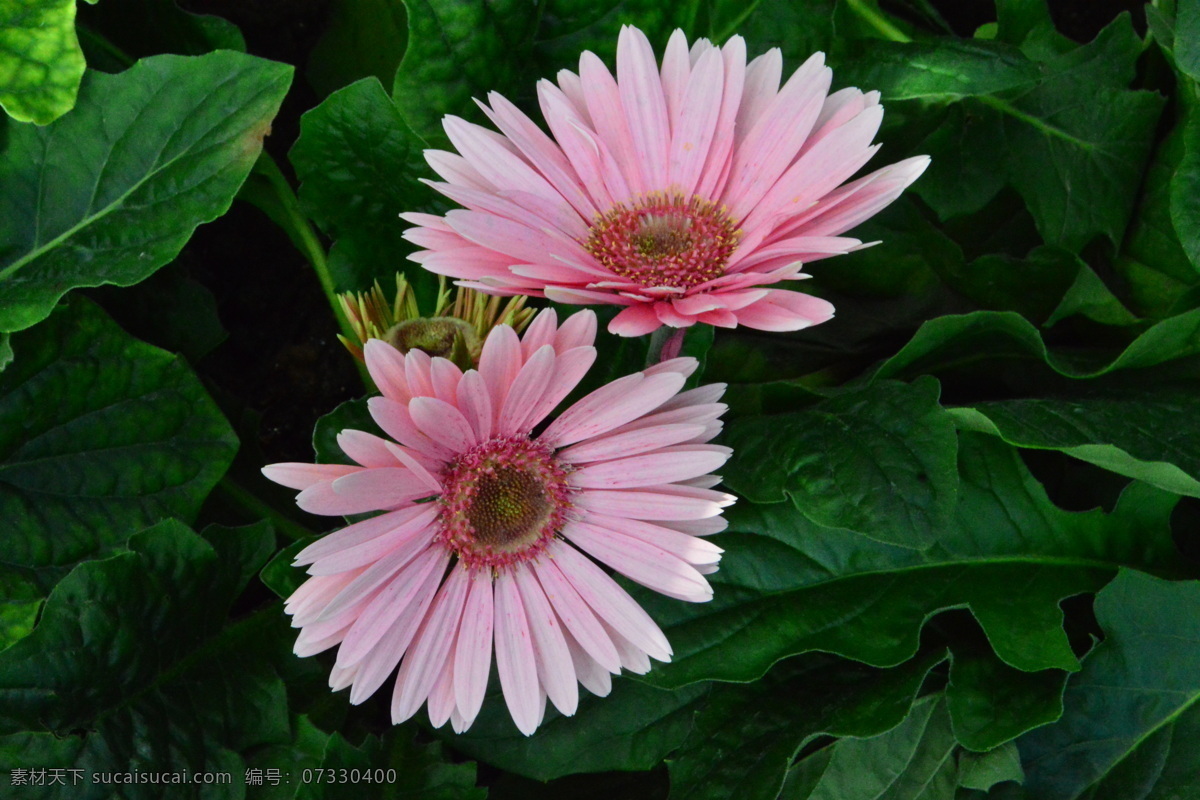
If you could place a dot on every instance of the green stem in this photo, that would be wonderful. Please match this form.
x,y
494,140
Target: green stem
x,y
878,21
251,503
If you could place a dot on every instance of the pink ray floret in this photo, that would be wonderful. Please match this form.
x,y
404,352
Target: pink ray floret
x,y
679,190
493,525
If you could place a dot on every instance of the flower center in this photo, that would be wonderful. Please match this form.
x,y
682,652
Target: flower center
x,y
503,501
436,336
664,240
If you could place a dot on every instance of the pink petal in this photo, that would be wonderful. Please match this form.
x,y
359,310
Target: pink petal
x,y
365,448
556,671
603,101
445,375
676,67
301,476
414,466
648,470
585,297
635,320
783,310
610,602
500,362
515,661
569,369
612,405
401,597
418,370
386,367
579,330
693,133
398,423
645,504
441,697
365,490
422,665
594,677
643,102
527,389
628,444
691,549
443,423
371,579
414,536
473,653
381,660
360,532
475,403
577,617
641,561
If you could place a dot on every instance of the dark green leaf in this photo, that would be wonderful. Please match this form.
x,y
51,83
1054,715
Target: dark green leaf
x,y
879,461
991,703
111,192
140,28
132,666
1185,185
1135,698
982,771
958,180
631,729
350,414
100,435
279,575
1138,435
788,586
1187,37
40,59
747,736
943,70
955,340
459,49
345,145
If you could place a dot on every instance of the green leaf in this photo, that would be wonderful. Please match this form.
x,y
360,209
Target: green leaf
x,y
350,414
362,38
459,49
100,435
1077,143
913,761
1131,716
955,340
133,667
1185,185
20,602
982,771
747,736
111,192
958,181
1187,37
279,575
878,460
991,703
345,145
789,586
1141,435
943,70
1090,297
631,729
40,60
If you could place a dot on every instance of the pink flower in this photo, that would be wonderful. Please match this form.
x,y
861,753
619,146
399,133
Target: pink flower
x,y
678,191
486,518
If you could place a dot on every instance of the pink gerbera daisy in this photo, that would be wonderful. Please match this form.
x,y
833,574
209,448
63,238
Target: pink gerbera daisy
x,y
677,190
488,514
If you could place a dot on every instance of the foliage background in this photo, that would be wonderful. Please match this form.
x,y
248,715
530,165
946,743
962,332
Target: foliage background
x,y
963,564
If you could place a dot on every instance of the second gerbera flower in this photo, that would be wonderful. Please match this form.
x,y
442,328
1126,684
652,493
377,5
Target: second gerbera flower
x,y
677,191
483,514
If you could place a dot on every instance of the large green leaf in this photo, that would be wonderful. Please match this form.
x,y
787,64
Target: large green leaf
x,y
100,435
747,736
878,460
942,70
787,585
346,144
40,59
1132,718
133,666
1143,435
957,340
459,49
112,191
632,728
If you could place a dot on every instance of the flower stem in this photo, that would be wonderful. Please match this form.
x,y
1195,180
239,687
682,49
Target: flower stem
x,y
243,497
878,21
286,212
